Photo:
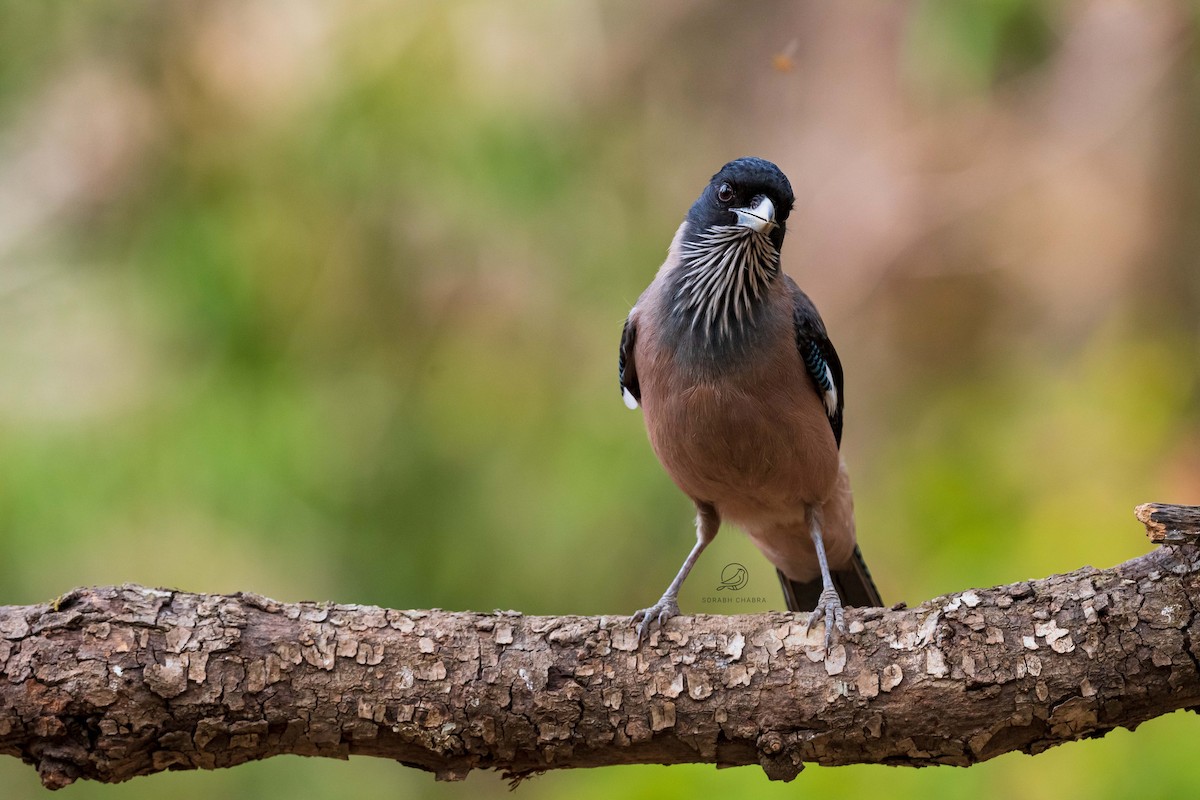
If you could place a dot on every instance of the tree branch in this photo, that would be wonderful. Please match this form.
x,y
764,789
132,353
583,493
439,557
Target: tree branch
x,y
109,683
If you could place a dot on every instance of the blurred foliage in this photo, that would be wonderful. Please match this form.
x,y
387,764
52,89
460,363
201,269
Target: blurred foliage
x,y
969,47
323,302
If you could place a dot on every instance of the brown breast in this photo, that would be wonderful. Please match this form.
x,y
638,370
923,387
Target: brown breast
x,y
753,438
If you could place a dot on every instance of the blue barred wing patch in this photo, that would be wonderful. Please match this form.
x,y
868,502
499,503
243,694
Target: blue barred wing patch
x,y
822,376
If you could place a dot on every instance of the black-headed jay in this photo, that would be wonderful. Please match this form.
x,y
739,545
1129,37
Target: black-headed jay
x,y
741,391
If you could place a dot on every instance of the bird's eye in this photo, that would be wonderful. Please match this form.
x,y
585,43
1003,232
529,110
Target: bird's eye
x,y
725,193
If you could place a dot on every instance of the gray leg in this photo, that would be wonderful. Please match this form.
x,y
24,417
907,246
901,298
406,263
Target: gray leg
x,y
829,605
707,523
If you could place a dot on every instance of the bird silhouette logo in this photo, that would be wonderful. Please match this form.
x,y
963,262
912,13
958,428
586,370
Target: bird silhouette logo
x,y
734,577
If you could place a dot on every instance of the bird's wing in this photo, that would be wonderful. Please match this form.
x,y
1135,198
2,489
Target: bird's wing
x,y
820,359
631,392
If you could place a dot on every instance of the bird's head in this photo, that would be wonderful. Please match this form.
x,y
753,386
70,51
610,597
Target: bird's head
x,y
750,193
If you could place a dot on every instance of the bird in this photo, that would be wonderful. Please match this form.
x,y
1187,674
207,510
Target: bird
x,y
742,396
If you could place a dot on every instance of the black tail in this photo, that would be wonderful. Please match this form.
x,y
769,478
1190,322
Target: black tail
x,y
853,584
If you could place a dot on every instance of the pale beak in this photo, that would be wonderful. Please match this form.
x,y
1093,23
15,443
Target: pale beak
x,y
759,217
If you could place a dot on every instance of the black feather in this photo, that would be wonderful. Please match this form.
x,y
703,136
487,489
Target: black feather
x,y
854,586
817,352
626,373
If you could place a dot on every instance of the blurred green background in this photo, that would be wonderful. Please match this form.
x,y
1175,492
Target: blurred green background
x,y
322,301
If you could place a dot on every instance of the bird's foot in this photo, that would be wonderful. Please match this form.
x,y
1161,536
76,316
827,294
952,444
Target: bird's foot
x,y
829,609
661,611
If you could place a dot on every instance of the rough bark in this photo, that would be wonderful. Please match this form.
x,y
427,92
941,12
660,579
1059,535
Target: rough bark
x,y
1167,524
109,683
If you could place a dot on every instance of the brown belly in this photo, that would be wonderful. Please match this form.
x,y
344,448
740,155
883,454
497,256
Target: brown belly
x,y
760,454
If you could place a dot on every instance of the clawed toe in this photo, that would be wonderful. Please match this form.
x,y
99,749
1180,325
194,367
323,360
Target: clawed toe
x,y
829,609
661,611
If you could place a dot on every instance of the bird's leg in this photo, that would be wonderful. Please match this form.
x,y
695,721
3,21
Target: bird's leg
x,y
829,605
707,523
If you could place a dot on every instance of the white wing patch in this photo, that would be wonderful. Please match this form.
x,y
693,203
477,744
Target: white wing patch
x,y
831,397
630,401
